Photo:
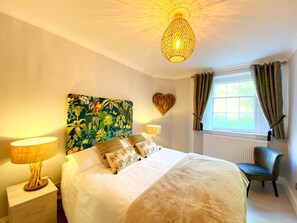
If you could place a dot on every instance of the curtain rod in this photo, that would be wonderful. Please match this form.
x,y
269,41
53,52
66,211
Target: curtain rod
x,y
240,69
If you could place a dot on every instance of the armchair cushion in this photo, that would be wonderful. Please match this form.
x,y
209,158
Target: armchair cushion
x,y
254,172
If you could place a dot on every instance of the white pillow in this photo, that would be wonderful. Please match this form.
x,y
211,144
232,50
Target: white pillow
x,y
85,159
125,142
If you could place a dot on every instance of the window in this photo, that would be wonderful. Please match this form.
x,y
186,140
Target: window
x,y
233,106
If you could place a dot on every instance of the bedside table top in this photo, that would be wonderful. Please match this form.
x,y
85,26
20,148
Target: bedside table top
x,y
17,195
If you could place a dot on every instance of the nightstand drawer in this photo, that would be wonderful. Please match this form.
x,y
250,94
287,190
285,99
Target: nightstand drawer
x,y
41,209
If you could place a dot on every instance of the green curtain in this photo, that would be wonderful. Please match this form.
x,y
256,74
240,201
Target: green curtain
x,y
268,81
202,88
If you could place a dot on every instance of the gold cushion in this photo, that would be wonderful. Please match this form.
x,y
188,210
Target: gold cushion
x,y
136,139
122,158
146,148
108,146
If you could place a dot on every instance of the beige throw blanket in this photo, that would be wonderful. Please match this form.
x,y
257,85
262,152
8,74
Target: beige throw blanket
x,y
197,189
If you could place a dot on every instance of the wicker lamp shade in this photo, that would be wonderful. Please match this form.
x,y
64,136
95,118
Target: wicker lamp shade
x,y
178,41
33,151
153,130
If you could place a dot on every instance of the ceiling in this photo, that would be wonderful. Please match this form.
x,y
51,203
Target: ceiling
x,y
228,32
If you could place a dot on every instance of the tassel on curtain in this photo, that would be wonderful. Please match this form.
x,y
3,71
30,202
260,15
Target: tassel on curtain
x,y
268,81
202,87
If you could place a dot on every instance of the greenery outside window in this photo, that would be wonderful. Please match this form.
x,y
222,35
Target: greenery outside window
x,y
233,106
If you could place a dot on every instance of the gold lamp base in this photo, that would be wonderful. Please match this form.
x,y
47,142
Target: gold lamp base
x,y
43,183
153,137
35,182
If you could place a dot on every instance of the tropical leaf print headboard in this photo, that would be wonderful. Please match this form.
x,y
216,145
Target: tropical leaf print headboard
x,y
93,119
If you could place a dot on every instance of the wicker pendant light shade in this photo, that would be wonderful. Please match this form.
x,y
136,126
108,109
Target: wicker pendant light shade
x,y
178,40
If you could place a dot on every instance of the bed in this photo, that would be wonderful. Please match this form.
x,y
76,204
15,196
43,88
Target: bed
x,y
156,185
92,193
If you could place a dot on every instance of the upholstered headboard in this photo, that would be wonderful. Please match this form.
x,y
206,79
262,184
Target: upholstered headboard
x,y
93,119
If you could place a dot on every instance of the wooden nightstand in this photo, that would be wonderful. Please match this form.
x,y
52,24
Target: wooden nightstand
x,y
34,206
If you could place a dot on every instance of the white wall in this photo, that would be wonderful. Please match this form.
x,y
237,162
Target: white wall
x,y
292,133
37,71
177,122
165,87
182,116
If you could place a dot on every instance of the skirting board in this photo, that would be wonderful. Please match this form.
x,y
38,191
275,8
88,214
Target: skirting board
x,y
4,220
289,192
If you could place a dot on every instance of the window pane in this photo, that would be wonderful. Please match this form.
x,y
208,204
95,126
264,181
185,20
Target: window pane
x,y
246,88
232,105
219,120
247,121
220,90
232,89
219,105
232,120
247,105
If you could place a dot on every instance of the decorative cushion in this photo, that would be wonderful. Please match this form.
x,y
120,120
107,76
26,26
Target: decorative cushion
x,y
252,169
108,147
122,158
146,148
136,139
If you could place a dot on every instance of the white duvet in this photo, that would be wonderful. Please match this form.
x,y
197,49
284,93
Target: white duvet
x,y
91,193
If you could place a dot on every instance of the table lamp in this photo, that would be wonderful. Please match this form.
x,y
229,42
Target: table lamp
x,y
33,151
153,130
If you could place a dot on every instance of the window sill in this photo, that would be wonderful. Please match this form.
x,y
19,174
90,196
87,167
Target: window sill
x,y
237,135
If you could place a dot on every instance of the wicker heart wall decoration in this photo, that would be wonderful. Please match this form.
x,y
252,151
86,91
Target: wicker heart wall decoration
x,y
163,102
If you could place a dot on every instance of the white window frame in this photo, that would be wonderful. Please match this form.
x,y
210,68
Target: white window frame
x,y
255,107
235,78
239,113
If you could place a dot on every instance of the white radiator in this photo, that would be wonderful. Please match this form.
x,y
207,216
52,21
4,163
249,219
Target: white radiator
x,y
232,149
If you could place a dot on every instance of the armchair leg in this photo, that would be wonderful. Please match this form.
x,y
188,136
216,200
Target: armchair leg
x,y
248,189
263,184
275,188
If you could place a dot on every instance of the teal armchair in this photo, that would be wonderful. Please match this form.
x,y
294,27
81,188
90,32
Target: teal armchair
x,y
266,167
